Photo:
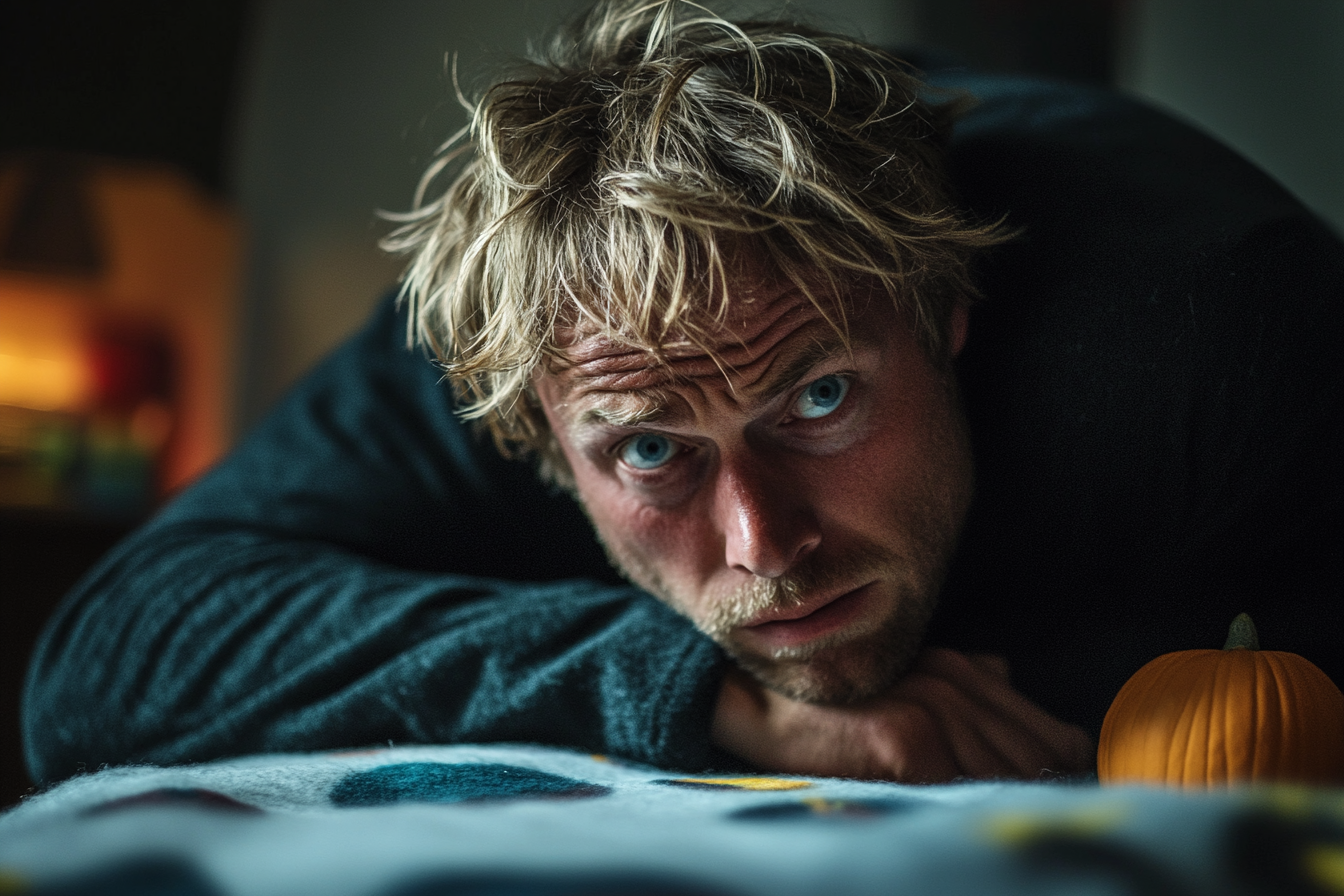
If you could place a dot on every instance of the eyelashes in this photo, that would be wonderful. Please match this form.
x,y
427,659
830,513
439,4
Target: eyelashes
x,y
651,451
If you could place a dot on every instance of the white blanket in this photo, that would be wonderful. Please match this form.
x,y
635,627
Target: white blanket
x,y
531,820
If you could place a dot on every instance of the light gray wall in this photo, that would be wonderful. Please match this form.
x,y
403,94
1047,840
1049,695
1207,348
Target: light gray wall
x,y
343,104
1267,76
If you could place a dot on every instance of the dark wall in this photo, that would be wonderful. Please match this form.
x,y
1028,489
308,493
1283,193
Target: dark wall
x,y
130,80
41,558
135,80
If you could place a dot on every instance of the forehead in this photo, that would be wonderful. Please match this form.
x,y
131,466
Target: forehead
x,y
760,323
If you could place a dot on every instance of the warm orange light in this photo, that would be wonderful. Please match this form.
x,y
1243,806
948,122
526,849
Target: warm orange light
x,y
43,359
58,382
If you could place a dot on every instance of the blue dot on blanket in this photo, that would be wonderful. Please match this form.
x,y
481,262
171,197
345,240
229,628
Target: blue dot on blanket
x,y
442,782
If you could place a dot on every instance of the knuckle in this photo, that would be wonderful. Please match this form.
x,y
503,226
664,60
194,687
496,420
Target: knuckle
x,y
916,725
934,688
937,657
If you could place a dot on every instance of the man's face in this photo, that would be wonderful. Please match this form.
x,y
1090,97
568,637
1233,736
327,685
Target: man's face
x,y
797,500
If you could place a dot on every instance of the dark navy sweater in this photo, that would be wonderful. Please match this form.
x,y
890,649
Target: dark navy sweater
x,y
1154,388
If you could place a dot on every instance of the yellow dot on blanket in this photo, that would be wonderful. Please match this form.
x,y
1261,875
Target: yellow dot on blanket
x,y
749,783
1300,802
1016,828
11,882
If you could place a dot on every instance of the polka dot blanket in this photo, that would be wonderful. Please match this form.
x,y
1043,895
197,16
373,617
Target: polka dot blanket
x,y
515,820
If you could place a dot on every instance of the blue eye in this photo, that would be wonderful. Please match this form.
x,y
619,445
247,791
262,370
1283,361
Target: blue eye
x,y
648,452
822,396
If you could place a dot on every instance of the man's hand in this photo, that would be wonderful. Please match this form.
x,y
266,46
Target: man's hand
x,y
951,716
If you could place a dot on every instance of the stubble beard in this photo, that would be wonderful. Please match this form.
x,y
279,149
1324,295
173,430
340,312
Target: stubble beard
x,y
845,667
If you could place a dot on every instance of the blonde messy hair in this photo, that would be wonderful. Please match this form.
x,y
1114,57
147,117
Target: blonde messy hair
x,y
618,180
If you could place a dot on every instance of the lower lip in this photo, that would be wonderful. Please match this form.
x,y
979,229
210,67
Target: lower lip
x,y
827,620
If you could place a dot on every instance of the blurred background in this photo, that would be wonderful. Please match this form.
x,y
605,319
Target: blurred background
x,y
188,198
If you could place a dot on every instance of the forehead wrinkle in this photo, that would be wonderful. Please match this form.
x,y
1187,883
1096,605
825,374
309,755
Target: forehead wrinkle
x,y
599,355
608,381
788,370
621,398
635,407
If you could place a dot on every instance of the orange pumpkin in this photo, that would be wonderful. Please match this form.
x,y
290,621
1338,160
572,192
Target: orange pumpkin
x,y
1206,719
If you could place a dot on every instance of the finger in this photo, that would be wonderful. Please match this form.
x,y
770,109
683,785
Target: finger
x,y
1027,736
912,746
992,664
738,725
895,741
990,743
971,731
1036,740
992,692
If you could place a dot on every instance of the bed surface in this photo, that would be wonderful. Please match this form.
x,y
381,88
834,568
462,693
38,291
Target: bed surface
x,y
532,820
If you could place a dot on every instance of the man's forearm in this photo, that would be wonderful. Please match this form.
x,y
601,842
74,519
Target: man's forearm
x,y
193,645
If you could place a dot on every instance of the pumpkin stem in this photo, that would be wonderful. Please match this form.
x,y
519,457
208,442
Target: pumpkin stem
x,y
1241,634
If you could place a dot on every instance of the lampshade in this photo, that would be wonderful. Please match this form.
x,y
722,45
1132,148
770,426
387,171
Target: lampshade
x,y
117,324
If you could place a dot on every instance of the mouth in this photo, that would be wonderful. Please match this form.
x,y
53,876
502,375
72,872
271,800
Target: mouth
x,y
794,626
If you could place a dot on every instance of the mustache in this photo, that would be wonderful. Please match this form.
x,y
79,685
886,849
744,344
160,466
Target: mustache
x,y
746,602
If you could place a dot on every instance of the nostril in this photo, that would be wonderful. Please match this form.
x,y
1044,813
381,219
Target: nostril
x,y
769,546
806,547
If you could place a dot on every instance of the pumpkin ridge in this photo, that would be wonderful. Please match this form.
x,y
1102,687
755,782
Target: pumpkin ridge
x,y
1216,758
1132,727
1153,742
1197,697
1217,754
1277,703
1248,708
1153,738
1264,700
1290,701
1298,712
1259,713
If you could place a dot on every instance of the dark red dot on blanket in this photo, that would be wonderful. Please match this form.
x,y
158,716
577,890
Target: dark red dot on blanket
x,y
178,797
442,782
822,808
138,877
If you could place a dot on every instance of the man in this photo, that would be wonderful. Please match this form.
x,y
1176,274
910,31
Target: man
x,y
740,353
714,278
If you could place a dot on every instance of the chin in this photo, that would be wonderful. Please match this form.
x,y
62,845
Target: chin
x,y
818,681
844,670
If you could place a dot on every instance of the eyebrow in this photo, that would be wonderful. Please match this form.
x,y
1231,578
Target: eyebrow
x,y
643,406
648,409
819,349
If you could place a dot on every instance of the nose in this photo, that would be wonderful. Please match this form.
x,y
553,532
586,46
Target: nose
x,y
767,522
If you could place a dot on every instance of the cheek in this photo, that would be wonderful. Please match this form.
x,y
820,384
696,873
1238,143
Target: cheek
x,y
673,546
884,459
914,454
